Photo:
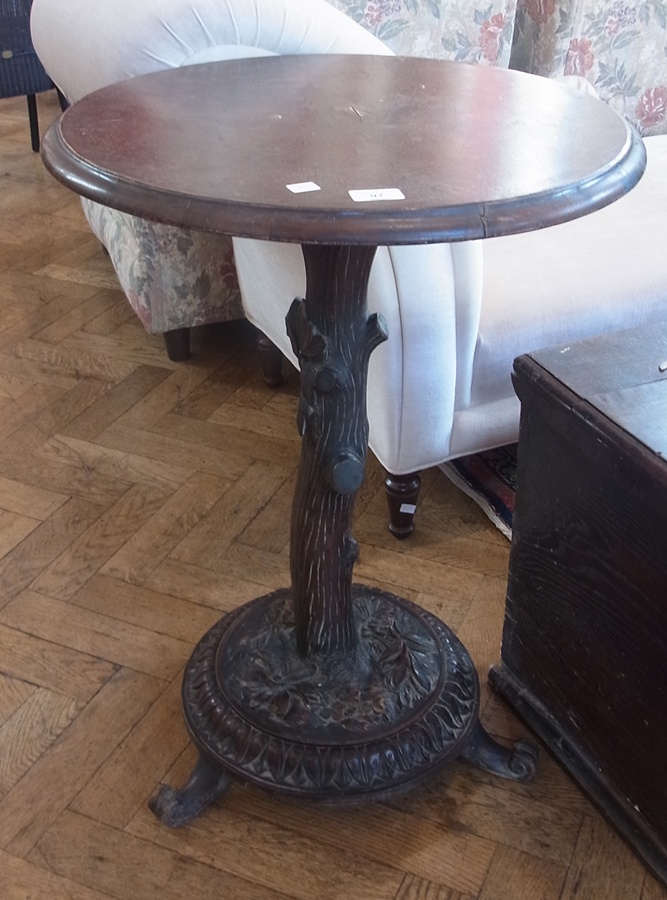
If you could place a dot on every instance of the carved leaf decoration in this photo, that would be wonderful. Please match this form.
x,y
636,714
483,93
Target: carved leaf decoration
x,y
408,666
312,696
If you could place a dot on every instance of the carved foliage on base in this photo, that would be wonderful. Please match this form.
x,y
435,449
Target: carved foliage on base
x,y
404,704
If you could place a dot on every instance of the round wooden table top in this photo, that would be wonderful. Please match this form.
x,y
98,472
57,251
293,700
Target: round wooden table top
x,y
346,149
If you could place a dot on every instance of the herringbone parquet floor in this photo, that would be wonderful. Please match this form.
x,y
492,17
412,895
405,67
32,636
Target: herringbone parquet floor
x,y
139,500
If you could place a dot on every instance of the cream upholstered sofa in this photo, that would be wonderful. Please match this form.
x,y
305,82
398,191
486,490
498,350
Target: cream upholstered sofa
x,y
459,314
174,278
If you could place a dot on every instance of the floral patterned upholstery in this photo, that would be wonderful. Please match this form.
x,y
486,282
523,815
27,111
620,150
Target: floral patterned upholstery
x,y
173,278
463,30
619,46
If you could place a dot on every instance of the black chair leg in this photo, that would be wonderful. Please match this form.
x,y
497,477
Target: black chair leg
x,y
34,122
402,493
62,99
271,359
178,344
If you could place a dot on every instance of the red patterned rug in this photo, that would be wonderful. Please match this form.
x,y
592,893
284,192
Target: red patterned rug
x,y
490,479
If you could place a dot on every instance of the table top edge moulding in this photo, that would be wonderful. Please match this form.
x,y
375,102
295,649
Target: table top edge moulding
x,y
486,202
328,689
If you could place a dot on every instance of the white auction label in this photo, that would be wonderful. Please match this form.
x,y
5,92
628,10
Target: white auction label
x,y
302,186
379,194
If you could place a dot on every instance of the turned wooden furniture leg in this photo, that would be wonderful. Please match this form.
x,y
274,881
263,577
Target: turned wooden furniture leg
x,y
178,344
271,359
402,493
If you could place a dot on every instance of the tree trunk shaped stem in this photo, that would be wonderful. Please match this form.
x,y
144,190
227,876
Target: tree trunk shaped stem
x,y
333,336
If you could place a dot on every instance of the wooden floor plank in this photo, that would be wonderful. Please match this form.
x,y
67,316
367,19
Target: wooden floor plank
x,y
28,734
151,610
105,411
223,589
114,464
13,530
457,859
21,880
133,771
96,635
414,888
39,503
36,801
76,318
503,812
45,544
98,543
518,876
42,662
653,889
85,852
169,527
273,856
213,534
13,694
602,866
158,448
219,437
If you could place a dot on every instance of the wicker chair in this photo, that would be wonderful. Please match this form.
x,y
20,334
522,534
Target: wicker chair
x,y
21,73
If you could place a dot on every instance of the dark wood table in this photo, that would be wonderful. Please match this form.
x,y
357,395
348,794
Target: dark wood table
x,y
328,689
583,653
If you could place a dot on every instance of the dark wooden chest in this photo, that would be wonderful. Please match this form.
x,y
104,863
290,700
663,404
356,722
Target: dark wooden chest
x,y
584,653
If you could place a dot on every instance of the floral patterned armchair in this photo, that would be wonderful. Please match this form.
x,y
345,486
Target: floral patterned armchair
x,y
619,46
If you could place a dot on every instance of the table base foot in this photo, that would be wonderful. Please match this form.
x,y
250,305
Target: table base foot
x,y
178,806
516,763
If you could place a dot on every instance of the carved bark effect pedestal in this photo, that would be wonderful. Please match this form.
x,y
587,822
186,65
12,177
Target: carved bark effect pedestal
x,y
333,337
331,690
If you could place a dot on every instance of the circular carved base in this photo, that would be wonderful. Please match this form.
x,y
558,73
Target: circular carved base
x,y
373,720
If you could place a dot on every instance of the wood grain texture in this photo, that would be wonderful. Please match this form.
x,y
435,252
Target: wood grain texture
x,y
140,500
588,656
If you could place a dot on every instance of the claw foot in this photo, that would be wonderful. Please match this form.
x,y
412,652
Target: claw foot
x,y
517,763
175,807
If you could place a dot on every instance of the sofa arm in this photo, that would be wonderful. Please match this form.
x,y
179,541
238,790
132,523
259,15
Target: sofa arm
x,y
86,45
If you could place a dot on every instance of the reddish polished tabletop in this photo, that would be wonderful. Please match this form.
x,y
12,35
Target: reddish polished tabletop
x,y
474,151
